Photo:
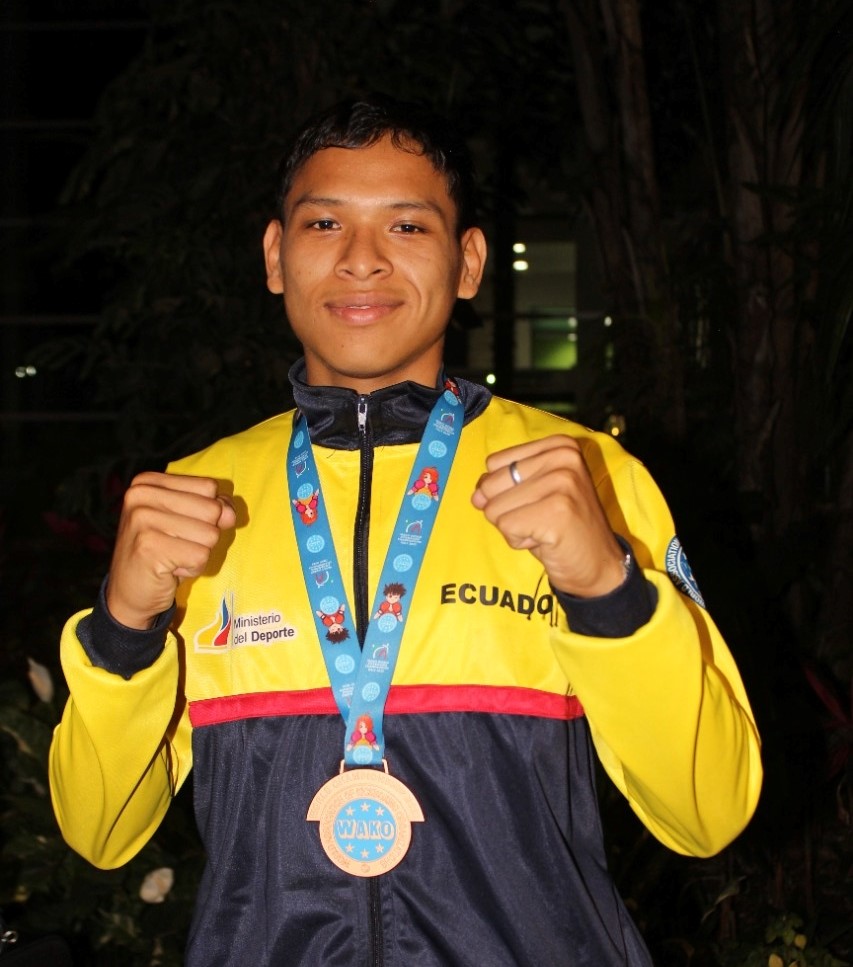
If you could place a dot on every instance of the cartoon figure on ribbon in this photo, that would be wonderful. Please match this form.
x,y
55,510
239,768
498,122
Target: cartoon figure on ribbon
x,y
335,624
427,483
364,734
307,509
391,605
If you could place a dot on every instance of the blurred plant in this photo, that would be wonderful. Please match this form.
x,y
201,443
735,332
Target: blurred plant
x,y
138,914
786,944
838,722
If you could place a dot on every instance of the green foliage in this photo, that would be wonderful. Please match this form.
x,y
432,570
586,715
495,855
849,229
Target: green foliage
x,y
45,888
786,944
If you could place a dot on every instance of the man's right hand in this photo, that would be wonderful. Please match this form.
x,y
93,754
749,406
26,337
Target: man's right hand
x,y
168,528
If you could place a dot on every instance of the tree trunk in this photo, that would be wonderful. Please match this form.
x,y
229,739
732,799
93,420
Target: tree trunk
x,y
764,166
624,203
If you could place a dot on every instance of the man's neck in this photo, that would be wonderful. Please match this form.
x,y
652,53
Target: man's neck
x,y
364,385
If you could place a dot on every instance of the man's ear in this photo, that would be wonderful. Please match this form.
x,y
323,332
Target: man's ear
x,y
473,263
272,256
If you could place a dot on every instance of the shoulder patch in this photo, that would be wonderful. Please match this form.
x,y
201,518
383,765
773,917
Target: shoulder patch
x,y
679,570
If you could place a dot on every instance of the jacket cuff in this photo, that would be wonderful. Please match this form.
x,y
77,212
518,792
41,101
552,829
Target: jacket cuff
x,y
617,614
117,648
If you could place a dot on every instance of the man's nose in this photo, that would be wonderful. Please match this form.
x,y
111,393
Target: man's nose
x,y
364,255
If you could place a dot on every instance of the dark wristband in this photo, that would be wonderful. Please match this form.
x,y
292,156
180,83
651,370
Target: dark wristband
x,y
617,614
117,648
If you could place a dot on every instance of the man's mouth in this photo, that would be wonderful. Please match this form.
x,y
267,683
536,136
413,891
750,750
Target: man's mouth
x,y
362,310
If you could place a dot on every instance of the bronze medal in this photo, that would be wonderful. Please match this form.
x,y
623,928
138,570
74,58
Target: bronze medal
x,y
365,819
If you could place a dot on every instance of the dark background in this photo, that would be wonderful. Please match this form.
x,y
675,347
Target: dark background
x,y
702,154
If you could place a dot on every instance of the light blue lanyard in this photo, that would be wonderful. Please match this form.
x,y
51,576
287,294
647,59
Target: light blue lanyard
x,y
361,680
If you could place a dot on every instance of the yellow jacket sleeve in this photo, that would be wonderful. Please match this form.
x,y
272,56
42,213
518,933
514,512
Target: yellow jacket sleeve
x,y
667,710
119,754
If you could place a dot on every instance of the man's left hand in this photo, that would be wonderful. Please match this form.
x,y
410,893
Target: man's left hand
x,y
541,497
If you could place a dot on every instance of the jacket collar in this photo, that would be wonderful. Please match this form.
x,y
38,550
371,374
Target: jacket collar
x,y
395,414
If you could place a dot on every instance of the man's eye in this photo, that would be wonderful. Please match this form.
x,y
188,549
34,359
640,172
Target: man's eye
x,y
407,228
324,224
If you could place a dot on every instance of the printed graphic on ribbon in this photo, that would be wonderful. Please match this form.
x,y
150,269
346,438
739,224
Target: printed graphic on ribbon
x,y
362,689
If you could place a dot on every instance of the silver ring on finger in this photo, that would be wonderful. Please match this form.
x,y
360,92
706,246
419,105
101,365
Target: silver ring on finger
x,y
513,472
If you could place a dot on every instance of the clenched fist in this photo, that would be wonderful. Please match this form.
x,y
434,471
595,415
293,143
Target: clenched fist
x,y
168,528
541,497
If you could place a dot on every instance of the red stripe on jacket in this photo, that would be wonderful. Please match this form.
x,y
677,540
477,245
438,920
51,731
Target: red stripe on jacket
x,y
402,700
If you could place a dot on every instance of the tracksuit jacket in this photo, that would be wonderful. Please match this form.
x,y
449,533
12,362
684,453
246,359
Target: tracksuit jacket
x,y
503,694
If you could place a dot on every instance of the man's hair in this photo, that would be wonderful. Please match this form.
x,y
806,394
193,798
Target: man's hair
x,y
362,122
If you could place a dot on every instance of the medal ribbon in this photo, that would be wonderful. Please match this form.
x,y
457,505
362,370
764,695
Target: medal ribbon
x,y
361,679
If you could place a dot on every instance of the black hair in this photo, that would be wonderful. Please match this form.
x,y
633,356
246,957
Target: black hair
x,y
360,123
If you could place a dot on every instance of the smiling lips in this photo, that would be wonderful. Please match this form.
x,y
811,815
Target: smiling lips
x,y
362,308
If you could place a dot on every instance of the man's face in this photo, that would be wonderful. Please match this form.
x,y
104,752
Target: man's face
x,y
370,264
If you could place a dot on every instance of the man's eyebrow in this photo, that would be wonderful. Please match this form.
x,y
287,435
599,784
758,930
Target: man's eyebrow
x,y
422,206
404,204
318,200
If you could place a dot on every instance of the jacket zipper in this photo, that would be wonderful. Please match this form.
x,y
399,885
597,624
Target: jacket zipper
x,y
362,522
362,617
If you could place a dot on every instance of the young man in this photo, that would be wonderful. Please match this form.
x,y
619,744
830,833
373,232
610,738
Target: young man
x,y
421,790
